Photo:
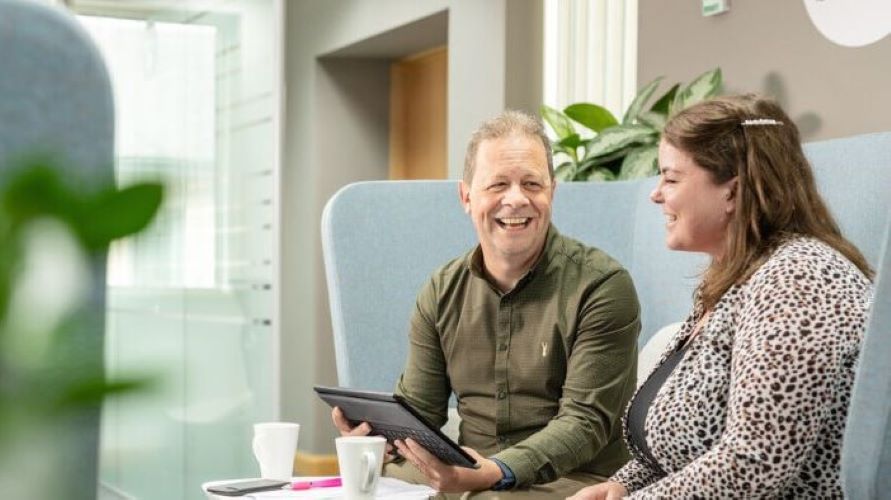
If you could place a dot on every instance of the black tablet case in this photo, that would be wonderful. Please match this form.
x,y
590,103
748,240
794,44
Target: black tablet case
x,y
392,417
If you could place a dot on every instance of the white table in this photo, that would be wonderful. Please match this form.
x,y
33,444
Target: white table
x,y
388,488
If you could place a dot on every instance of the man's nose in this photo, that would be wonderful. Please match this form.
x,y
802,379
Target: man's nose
x,y
515,196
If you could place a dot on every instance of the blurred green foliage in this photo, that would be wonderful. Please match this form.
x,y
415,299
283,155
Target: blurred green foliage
x,y
51,369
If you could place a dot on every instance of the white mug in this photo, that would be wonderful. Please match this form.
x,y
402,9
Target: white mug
x,y
274,446
361,459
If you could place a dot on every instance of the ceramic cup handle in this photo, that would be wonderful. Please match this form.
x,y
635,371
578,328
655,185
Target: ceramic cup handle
x,y
369,460
255,445
258,445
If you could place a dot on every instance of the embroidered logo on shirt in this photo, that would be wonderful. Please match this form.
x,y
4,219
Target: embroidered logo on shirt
x,y
544,349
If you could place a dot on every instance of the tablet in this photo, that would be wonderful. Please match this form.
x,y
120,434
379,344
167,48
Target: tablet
x,y
392,417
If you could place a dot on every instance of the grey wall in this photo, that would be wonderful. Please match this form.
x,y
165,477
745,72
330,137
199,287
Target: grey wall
x,y
350,144
524,60
771,47
336,132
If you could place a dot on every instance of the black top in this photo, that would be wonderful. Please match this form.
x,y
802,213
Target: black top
x,y
640,405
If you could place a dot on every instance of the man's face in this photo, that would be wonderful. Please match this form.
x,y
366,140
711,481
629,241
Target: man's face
x,y
509,199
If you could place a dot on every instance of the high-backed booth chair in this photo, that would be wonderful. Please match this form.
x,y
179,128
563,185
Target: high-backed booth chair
x,y
56,101
866,453
382,240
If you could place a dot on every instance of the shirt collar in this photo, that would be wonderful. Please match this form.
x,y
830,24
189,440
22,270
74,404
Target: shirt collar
x,y
475,260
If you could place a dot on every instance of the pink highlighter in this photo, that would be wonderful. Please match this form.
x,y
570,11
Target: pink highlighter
x,y
320,483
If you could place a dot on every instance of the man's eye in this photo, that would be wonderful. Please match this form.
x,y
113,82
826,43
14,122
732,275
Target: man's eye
x,y
497,185
532,185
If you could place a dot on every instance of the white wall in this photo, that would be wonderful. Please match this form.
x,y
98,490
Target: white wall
x,y
334,134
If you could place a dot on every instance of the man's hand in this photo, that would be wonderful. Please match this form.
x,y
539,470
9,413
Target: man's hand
x,y
363,429
609,490
450,478
343,425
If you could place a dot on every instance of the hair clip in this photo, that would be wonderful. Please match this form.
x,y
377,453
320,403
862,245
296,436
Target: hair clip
x,y
760,121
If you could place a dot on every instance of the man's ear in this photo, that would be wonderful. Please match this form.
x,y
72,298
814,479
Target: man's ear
x,y
464,196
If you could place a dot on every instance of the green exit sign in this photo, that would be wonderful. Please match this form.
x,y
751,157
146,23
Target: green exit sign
x,y
715,7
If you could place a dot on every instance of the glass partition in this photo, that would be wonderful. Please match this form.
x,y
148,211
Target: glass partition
x,y
191,301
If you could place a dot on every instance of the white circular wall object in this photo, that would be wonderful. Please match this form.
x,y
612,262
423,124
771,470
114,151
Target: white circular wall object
x,y
852,23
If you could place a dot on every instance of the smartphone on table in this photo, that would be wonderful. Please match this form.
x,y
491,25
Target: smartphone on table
x,y
239,488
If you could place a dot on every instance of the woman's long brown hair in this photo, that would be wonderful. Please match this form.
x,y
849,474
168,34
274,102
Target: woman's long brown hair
x,y
776,195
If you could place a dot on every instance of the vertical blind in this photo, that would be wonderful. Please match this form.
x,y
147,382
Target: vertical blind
x,y
590,53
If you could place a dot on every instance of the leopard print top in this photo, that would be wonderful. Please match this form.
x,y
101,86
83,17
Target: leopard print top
x,y
757,407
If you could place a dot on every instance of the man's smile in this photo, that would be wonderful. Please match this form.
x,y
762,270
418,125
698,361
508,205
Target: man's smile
x,y
513,222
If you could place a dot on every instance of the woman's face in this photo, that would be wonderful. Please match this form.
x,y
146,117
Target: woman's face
x,y
697,210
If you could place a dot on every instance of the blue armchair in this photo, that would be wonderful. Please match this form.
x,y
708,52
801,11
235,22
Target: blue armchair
x,y
382,239
866,452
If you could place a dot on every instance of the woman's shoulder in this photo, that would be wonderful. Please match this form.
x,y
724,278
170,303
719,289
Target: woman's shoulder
x,y
803,259
806,282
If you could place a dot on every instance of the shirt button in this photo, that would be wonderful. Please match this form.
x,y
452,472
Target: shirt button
x,y
502,347
501,394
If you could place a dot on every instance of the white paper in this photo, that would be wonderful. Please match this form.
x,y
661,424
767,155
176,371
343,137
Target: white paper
x,y
387,488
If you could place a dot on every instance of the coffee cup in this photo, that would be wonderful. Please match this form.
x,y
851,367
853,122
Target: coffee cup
x,y
361,459
275,444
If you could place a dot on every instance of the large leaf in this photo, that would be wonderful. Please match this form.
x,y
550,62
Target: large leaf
x,y
652,119
663,105
37,191
571,141
704,86
640,162
118,213
560,124
569,146
600,174
615,138
559,148
564,171
603,160
596,118
91,390
640,100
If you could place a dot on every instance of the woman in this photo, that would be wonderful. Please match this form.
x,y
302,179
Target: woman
x,y
750,398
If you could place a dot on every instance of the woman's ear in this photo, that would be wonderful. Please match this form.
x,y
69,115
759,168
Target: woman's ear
x,y
730,195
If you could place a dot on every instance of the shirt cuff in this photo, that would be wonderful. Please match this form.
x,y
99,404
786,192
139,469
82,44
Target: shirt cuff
x,y
508,481
520,465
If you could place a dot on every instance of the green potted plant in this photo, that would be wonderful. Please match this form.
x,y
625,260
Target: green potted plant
x,y
607,149
55,234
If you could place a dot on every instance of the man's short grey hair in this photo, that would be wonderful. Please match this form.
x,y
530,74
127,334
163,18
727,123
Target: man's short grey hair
x,y
508,123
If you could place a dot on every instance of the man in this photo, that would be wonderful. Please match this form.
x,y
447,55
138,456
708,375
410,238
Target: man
x,y
535,333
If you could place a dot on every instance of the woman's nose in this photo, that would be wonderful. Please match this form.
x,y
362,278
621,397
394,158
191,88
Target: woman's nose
x,y
656,195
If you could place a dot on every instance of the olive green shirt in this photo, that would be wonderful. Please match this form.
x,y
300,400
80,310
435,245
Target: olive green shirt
x,y
542,373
